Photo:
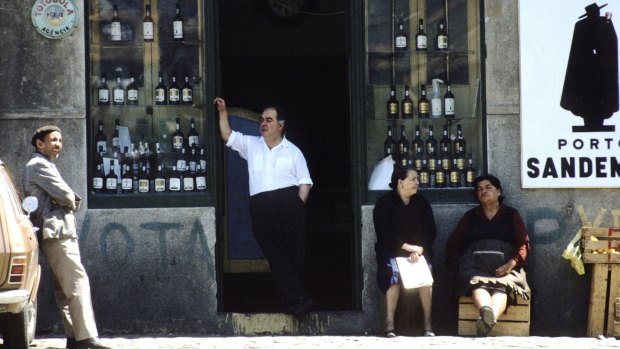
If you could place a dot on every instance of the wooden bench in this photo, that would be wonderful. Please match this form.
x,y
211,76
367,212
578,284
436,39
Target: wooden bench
x,y
514,322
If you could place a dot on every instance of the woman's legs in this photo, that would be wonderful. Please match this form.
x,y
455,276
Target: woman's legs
x,y
426,298
497,300
391,301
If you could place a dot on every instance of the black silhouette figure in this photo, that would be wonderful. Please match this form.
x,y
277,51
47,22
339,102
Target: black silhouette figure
x,y
591,82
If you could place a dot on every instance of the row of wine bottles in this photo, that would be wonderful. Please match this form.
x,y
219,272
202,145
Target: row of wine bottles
x,y
439,163
124,93
148,25
435,106
440,43
121,144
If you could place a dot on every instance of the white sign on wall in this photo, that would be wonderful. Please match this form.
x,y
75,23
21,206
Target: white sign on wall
x,y
570,124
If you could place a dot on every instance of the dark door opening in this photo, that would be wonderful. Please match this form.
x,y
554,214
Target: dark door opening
x,y
301,64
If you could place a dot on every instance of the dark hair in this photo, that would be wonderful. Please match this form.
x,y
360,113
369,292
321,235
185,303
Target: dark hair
x,y
400,173
281,114
41,132
494,181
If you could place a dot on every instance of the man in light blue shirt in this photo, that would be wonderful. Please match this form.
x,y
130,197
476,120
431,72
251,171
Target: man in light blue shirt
x,y
279,186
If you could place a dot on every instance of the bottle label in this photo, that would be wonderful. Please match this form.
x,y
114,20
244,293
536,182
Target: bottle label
x,y
127,184
440,177
177,143
160,95
104,95
147,30
445,163
471,175
115,31
192,166
418,164
173,95
442,42
408,109
160,184
132,95
455,177
460,163
449,106
119,96
191,140
424,177
201,183
188,184
393,108
177,27
103,146
97,183
143,185
421,42
181,165
203,164
436,107
401,42
432,165
175,184
423,108
111,183
187,95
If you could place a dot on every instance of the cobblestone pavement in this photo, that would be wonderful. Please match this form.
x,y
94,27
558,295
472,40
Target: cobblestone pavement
x,y
338,342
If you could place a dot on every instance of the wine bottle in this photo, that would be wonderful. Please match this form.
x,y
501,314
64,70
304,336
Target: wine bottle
x,y
174,93
177,24
202,161
188,180
421,40
192,160
118,93
441,40
174,180
98,179
417,148
115,25
187,92
178,139
430,145
440,175
455,175
116,142
407,104
423,103
392,105
400,41
132,91
403,147
389,146
448,102
459,143
103,92
445,144
127,180
111,180
148,27
461,160
424,175
201,179
143,181
435,97
181,161
193,138
470,172
101,141
160,181
160,90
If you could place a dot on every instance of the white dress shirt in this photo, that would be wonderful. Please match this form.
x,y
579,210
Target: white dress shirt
x,y
269,169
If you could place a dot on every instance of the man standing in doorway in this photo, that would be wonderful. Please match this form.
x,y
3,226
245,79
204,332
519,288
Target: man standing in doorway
x,y
279,186
58,238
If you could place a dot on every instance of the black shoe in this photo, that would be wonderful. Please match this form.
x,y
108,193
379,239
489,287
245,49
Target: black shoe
x,y
304,305
91,343
71,343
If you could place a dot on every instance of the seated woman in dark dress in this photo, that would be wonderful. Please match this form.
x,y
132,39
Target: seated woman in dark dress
x,y
405,227
490,245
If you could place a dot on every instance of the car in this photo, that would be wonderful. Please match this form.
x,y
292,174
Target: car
x,y
20,272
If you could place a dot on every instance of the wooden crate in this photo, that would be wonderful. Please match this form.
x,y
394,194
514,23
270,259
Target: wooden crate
x,y
601,245
604,311
514,322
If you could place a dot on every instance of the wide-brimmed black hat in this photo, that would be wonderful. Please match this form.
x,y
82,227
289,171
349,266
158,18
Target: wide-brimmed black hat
x,y
41,132
592,10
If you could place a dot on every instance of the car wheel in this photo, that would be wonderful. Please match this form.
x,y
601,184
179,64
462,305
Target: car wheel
x,y
19,328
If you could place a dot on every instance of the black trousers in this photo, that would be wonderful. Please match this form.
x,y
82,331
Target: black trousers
x,y
278,226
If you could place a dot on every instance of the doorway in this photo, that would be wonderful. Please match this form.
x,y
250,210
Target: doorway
x,y
298,61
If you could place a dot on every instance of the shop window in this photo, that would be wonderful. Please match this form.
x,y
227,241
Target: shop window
x,y
430,51
146,122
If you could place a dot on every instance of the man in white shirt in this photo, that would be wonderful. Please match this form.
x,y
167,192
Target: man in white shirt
x,y
279,186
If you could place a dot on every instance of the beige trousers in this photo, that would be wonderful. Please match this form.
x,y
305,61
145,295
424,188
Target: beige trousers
x,y
71,287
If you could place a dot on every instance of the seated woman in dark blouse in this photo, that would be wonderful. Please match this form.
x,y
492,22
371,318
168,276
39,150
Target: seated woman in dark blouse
x,y
405,227
490,245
